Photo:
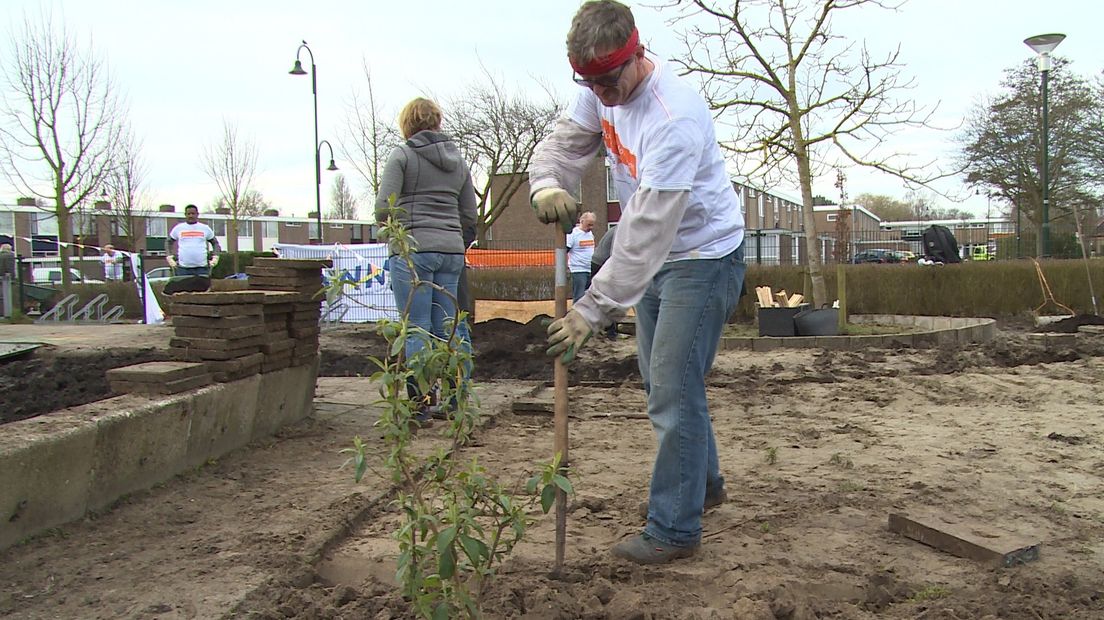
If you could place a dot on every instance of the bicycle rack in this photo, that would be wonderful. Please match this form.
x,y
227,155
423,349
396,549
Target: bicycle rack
x,y
62,309
91,312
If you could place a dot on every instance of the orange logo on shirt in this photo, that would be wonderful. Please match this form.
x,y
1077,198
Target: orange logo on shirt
x,y
586,243
613,145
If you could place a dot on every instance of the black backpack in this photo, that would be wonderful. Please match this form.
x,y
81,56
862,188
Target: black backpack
x,y
940,245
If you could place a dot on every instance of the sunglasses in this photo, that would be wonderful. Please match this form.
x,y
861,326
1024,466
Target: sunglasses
x,y
609,80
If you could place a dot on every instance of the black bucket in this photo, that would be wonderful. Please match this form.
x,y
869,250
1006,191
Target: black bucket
x,y
778,321
824,322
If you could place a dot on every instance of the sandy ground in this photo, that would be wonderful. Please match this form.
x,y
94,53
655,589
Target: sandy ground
x,y
1004,438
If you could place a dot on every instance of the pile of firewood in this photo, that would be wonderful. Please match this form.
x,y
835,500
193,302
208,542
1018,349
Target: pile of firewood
x,y
767,299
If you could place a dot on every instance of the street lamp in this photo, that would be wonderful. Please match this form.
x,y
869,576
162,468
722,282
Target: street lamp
x,y
298,70
1043,45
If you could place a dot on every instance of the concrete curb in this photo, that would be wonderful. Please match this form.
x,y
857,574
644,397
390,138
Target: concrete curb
x,y
56,467
932,331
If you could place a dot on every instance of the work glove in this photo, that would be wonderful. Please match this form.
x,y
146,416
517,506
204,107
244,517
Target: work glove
x,y
553,204
214,261
567,335
171,260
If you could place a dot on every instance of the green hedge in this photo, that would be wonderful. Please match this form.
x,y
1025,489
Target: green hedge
x,y
991,288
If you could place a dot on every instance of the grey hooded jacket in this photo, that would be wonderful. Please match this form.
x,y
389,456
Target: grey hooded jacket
x,y
433,186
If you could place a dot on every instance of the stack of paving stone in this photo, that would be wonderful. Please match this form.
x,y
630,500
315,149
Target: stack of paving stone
x,y
278,345
157,378
224,330
303,278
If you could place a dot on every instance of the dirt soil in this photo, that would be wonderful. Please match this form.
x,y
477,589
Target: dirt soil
x,y
50,379
817,447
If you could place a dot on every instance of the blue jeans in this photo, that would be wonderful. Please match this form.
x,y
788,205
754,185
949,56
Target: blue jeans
x,y
427,308
580,281
682,314
204,271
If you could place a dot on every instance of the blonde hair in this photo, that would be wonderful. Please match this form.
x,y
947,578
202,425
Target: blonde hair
x,y
419,115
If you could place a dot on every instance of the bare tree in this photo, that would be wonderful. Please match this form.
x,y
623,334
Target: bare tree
x,y
798,98
369,139
252,204
61,122
343,205
231,164
497,132
125,187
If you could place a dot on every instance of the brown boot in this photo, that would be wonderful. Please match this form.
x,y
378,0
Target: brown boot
x,y
644,549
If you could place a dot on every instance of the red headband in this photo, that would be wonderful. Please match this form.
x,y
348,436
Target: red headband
x,y
611,61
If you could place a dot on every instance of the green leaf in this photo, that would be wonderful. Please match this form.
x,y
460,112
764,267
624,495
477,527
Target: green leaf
x,y
361,467
396,347
548,497
563,483
531,485
441,612
475,549
446,562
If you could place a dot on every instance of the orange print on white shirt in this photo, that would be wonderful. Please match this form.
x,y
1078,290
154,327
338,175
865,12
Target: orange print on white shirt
x,y
613,144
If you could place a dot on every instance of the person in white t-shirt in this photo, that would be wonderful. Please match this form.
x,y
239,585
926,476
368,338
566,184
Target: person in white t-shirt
x,y
580,249
677,257
112,260
188,255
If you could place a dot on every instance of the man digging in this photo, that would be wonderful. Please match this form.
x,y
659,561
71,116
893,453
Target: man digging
x,y
677,257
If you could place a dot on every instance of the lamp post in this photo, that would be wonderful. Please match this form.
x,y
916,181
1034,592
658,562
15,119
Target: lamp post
x,y
298,70
1043,45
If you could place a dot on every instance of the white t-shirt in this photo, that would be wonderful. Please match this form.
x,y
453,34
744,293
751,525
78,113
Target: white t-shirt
x,y
191,242
113,265
580,249
664,139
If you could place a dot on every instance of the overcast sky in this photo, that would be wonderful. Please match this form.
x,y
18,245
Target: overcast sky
x,y
185,66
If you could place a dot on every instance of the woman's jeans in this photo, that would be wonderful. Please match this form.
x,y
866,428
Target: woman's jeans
x,y
679,322
428,308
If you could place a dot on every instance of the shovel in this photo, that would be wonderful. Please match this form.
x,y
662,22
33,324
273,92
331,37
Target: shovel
x,y
559,410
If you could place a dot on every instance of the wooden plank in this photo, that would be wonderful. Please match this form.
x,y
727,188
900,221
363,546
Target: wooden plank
x,y
954,538
532,406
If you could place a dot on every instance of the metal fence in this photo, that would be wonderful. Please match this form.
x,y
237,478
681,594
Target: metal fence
x,y
782,247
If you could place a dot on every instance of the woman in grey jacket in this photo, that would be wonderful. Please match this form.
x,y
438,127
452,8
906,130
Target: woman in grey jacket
x,y
433,189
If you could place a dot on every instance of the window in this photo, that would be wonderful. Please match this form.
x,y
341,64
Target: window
x,y
219,226
156,227
44,224
119,227
611,187
762,205
271,229
833,217
337,226
7,223
314,231
292,225
84,224
245,228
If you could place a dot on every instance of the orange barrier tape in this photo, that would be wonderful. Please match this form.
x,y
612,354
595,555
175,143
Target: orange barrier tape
x,y
509,258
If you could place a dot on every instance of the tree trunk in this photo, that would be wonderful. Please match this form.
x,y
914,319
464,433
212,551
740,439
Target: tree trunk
x,y
65,236
232,242
812,242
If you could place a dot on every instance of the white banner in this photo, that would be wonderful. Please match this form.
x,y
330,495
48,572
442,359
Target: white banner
x,y
362,270
152,311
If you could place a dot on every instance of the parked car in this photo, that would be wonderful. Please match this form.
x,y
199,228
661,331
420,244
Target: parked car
x,y
876,256
161,274
52,275
981,252
906,256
